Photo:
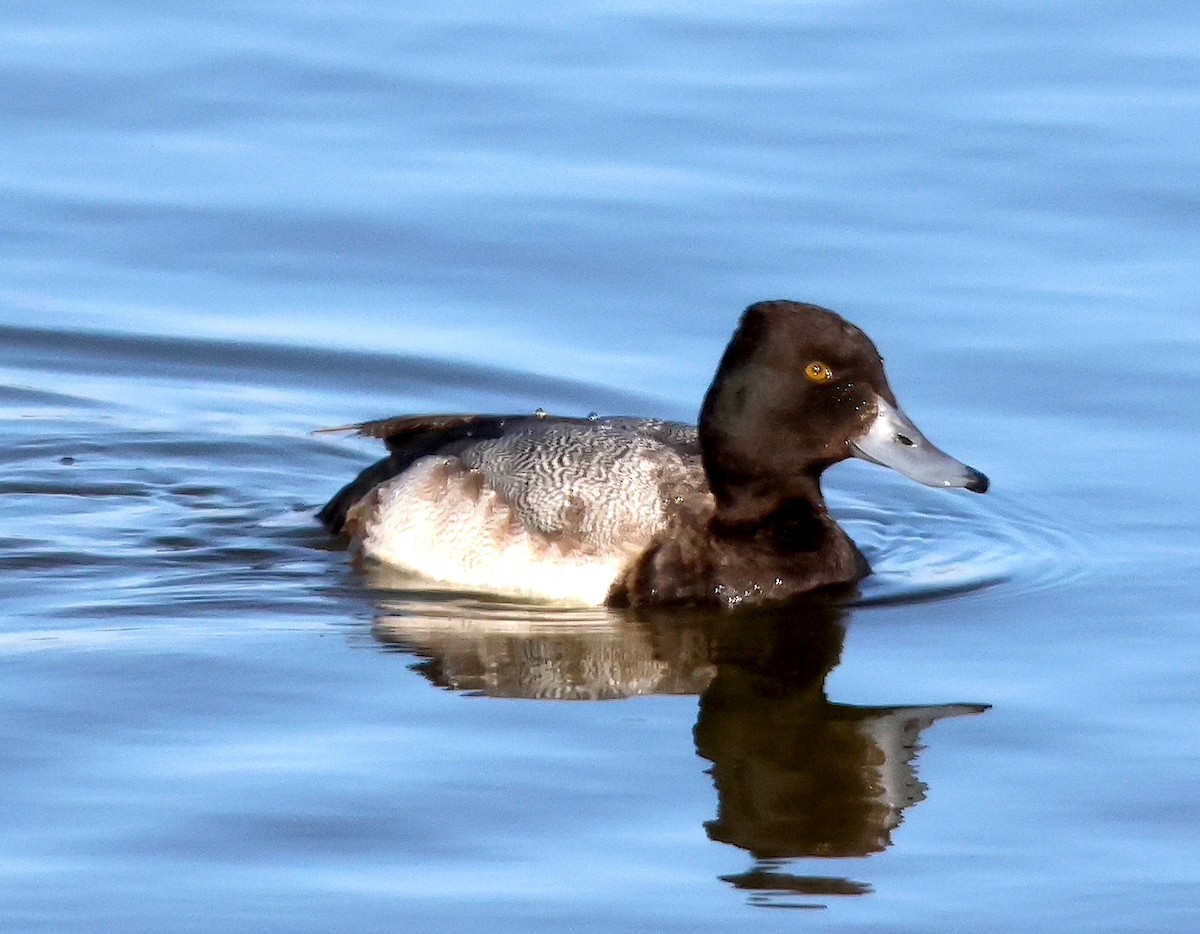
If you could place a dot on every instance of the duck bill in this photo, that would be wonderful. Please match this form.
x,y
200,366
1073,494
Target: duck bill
x,y
892,440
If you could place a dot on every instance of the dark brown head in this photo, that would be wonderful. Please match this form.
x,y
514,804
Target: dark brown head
x,y
798,389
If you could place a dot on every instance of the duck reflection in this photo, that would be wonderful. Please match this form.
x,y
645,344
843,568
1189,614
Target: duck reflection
x,y
796,775
500,650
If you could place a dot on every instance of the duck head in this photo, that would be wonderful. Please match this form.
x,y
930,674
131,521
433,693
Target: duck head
x,y
798,389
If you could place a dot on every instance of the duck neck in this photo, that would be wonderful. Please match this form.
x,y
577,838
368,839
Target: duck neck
x,y
792,516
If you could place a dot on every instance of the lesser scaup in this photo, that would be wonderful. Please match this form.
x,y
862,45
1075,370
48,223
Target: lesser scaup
x,y
632,511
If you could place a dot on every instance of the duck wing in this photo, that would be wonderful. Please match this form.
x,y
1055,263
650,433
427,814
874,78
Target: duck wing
x,y
600,482
408,439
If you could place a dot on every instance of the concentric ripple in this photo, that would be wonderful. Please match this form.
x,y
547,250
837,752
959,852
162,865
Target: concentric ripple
x,y
925,544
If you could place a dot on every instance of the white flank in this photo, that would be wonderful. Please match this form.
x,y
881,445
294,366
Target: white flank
x,y
440,521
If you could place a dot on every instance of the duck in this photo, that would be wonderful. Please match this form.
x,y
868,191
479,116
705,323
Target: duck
x,y
640,512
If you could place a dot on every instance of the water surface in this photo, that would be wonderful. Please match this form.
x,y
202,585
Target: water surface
x,y
226,225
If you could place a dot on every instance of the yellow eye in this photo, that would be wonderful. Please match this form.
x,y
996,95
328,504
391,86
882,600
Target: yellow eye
x,y
818,372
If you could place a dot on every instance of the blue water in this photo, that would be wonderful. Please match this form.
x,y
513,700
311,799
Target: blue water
x,y
225,225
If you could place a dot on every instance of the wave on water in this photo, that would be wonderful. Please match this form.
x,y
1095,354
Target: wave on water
x,y
195,363
925,544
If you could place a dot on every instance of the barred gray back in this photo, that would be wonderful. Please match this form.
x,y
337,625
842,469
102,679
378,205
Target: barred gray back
x,y
600,483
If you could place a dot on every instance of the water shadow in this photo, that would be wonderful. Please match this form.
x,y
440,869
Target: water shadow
x,y
797,776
